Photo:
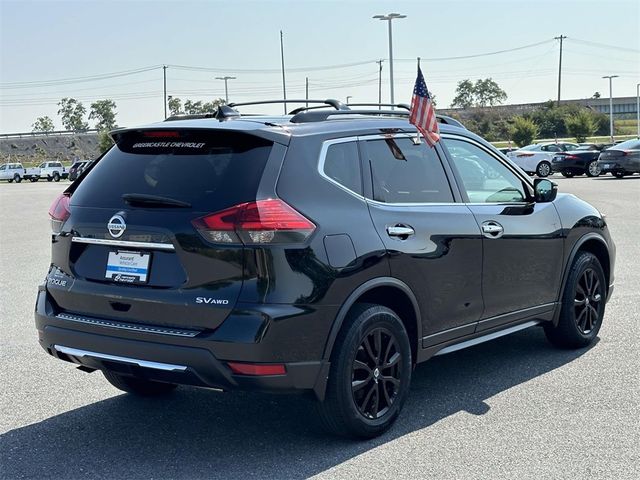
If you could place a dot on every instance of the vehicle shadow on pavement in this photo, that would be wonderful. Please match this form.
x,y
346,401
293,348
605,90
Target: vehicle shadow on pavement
x,y
196,433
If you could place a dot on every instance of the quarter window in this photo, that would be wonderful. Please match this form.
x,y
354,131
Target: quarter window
x,y
342,164
403,172
485,179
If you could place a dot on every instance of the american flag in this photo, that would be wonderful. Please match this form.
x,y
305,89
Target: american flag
x,y
422,115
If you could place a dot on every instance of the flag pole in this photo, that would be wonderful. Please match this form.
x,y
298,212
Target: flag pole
x,y
417,140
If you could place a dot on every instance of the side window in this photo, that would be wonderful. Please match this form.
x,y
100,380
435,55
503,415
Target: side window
x,y
403,172
42,165
3,167
484,177
342,164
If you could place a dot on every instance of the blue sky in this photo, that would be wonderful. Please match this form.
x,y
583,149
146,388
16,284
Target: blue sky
x,y
51,40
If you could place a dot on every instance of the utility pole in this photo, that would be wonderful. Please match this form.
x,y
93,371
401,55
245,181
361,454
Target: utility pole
x,y
389,18
561,37
306,90
284,84
164,96
379,62
226,89
611,77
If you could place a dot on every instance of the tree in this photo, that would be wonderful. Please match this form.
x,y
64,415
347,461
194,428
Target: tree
x,y
104,141
43,124
103,111
488,93
482,93
580,125
175,105
193,108
524,131
465,94
72,112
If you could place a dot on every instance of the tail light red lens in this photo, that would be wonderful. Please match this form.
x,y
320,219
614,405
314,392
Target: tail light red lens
x,y
59,212
257,369
261,222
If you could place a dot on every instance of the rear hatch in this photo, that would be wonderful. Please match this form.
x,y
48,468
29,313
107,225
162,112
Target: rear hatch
x,y
130,248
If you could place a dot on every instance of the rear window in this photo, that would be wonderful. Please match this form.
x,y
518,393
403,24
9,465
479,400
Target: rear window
x,y
209,170
632,144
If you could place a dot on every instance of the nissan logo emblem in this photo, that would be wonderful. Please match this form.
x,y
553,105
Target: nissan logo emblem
x,y
116,226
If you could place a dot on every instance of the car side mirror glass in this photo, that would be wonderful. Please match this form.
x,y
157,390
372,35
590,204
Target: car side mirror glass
x,y
545,190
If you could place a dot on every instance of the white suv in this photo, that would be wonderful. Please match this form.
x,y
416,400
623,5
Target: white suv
x,y
11,172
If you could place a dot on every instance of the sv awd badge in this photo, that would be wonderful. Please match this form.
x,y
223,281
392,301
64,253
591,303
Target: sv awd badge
x,y
116,226
211,301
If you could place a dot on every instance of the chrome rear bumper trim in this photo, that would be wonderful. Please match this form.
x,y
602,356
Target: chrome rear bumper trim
x,y
124,243
177,332
74,352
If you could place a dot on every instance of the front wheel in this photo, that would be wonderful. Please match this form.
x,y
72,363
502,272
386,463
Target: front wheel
x,y
137,386
17,178
583,303
543,169
593,169
370,373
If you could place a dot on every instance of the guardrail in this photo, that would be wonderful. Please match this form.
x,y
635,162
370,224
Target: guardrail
x,y
56,133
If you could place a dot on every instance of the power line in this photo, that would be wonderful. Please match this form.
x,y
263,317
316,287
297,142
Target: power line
x,y
604,45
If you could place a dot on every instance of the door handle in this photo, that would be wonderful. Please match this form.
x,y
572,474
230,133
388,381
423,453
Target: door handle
x,y
400,231
491,229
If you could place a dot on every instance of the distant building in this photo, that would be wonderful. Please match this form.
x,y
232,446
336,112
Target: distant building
x,y
621,106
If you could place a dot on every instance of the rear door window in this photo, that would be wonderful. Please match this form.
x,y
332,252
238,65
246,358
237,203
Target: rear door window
x,y
403,172
208,169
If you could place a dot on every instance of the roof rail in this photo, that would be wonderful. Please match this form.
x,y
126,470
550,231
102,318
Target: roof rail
x,y
441,118
337,104
320,116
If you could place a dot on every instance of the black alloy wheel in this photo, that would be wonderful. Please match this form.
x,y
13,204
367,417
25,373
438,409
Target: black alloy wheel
x,y
377,373
583,304
587,301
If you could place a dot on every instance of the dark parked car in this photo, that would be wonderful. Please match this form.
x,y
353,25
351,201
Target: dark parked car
x,y
325,251
578,162
621,159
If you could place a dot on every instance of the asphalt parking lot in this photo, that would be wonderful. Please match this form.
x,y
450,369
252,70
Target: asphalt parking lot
x,y
513,408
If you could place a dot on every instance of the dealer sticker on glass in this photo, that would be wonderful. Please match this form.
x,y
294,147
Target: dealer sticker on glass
x,y
128,267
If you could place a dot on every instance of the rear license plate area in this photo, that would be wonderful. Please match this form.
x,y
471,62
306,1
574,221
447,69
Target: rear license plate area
x,y
128,267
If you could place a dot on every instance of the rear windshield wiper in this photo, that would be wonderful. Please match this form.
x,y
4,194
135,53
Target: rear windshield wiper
x,y
146,200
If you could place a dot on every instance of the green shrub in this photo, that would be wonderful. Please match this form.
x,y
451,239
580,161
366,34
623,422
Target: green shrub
x,y
580,125
524,131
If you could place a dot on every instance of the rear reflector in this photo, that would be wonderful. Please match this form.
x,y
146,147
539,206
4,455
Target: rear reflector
x,y
59,212
257,369
260,222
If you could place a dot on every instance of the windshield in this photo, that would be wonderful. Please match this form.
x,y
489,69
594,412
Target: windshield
x,y
535,146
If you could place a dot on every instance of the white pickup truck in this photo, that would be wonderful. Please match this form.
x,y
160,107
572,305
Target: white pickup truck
x,y
52,171
12,172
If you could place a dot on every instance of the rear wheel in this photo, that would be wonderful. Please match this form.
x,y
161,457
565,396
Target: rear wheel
x,y
543,169
370,374
593,169
56,177
137,386
17,178
583,303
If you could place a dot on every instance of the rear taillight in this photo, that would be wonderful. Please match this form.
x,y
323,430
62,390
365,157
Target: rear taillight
x,y
59,212
261,222
571,157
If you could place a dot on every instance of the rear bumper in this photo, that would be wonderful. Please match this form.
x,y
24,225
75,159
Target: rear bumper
x,y
198,361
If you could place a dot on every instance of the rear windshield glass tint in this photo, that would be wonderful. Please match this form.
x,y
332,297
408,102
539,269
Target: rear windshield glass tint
x,y
209,170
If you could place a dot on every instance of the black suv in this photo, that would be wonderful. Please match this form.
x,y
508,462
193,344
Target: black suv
x,y
327,251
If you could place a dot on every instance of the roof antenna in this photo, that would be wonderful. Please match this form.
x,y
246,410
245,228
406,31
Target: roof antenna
x,y
225,112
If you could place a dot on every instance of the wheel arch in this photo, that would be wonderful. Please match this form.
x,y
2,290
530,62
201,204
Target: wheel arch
x,y
389,292
594,244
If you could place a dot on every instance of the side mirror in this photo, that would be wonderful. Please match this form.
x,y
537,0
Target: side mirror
x,y
545,190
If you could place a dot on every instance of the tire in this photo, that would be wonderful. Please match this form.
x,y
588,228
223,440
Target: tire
x,y
138,386
352,406
567,173
543,169
17,178
618,174
56,177
583,304
593,170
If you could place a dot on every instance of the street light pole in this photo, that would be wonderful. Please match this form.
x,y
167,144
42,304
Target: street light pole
x,y
638,107
611,77
226,89
389,18
164,79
